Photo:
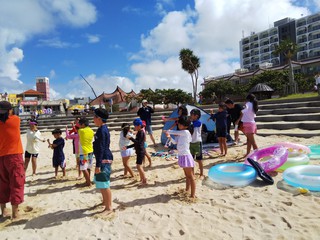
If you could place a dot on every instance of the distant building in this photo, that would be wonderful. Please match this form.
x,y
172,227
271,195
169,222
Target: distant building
x,y
82,100
13,99
42,84
258,48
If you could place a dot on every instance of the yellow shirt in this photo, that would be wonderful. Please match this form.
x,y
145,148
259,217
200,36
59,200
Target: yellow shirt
x,y
86,138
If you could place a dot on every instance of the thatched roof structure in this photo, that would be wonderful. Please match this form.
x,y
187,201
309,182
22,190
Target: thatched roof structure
x,y
261,88
117,96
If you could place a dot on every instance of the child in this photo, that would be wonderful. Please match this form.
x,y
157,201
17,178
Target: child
x,y
104,157
185,159
139,147
221,127
249,125
182,112
75,143
86,135
146,144
196,142
58,158
32,148
126,154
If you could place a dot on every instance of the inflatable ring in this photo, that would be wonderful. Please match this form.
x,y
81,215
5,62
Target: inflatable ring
x,y
294,147
294,159
307,176
278,155
314,151
233,174
262,174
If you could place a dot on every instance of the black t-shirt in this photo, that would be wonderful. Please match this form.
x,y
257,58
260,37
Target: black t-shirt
x,y
235,112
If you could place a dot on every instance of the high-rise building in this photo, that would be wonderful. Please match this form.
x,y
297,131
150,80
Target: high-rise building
x,y
42,84
257,49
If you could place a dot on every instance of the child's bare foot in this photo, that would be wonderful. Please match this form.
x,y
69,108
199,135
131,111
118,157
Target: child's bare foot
x,y
79,178
106,211
5,213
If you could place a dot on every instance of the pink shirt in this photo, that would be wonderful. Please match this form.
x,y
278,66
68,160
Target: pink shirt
x,y
75,137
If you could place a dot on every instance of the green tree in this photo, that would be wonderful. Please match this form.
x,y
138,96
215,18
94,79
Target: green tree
x,y
288,49
190,63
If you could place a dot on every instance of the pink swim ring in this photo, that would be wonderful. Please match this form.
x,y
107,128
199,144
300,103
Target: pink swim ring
x,y
277,156
294,147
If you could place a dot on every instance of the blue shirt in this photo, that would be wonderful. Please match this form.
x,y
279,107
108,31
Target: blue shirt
x,y
101,145
220,118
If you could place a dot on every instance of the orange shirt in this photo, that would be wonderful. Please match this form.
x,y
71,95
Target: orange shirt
x,y
10,140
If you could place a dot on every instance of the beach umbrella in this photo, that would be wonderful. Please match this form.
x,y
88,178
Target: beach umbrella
x,y
76,106
260,88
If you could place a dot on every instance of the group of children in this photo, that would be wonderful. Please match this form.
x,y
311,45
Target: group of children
x,y
187,138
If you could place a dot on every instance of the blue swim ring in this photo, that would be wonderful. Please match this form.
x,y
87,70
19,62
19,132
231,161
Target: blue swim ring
x,y
233,174
304,176
314,151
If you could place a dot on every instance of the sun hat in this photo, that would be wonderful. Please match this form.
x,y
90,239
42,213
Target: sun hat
x,y
33,122
144,101
5,106
137,122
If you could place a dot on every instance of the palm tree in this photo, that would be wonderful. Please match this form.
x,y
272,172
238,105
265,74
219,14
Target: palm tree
x,y
288,49
190,63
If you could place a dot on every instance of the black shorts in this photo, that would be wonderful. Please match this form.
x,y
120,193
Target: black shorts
x,y
221,132
28,155
140,157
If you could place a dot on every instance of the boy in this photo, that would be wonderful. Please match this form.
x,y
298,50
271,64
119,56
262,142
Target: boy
x,y
58,158
139,147
196,142
86,150
104,157
221,126
234,111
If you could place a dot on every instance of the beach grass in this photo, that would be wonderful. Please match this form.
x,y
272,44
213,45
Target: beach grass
x,y
294,96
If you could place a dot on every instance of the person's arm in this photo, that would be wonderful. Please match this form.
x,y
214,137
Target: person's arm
x,y
98,153
37,136
175,132
139,112
58,143
151,110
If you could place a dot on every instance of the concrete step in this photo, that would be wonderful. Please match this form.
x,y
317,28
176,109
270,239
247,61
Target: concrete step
x,y
289,117
296,132
279,111
306,125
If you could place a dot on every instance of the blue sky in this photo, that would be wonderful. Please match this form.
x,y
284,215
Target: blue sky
x,y
130,43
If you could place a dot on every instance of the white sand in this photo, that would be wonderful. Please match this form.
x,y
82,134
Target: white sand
x,y
59,209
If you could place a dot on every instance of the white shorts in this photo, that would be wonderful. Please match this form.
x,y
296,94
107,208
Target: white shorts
x,y
86,161
127,153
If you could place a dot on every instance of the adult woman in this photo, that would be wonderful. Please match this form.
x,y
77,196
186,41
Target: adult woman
x,y
12,176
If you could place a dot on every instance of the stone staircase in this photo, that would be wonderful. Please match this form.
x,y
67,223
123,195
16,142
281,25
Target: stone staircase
x,y
278,117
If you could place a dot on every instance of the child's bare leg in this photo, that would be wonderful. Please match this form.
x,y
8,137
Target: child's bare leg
x,y
149,159
125,168
78,168
190,177
26,163
188,183
142,175
34,165
55,171
64,171
200,167
128,168
220,145
15,211
87,177
106,196
224,145
4,210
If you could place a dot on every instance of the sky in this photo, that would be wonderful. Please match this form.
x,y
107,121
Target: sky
x,y
133,44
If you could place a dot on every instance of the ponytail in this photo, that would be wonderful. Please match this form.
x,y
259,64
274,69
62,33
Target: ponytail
x,y
252,98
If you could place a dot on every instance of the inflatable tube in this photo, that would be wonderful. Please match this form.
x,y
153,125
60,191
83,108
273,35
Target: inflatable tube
x,y
294,159
262,174
294,147
307,176
314,151
233,174
277,156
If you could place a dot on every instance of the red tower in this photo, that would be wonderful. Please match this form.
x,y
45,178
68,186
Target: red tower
x,y
43,87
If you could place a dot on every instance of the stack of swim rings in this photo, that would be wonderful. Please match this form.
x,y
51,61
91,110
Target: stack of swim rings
x,y
314,151
298,155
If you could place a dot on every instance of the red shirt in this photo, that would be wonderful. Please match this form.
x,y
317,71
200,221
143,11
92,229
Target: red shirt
x,y
10,140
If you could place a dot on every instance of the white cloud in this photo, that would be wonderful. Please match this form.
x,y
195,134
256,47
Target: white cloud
x,y
93,38
52,74
212,30
55,43
22,20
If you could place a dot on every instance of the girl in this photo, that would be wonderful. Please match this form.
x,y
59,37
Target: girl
x,y
126,154
182,112
104,157
248,115
185,159
76,144
139,147
221,127
32,148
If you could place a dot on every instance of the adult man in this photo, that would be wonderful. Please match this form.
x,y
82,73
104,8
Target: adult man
x,y
234,111
145,115
12,175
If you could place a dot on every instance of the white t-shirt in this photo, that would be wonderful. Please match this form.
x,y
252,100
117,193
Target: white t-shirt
x,y
248,114
123,141
196,136
33,139
183,140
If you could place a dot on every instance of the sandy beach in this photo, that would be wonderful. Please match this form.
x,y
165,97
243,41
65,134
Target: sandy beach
x,y
62,209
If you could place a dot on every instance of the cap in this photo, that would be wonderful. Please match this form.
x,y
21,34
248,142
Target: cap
x,y
5,106
144,101
137,122
101,113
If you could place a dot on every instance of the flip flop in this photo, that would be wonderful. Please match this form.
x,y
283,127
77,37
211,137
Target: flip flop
x,y
262,174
